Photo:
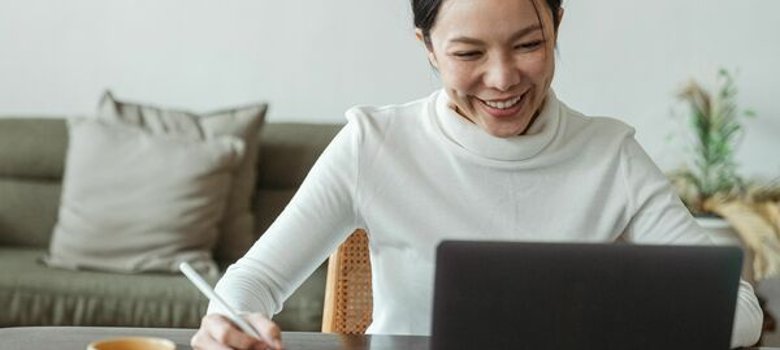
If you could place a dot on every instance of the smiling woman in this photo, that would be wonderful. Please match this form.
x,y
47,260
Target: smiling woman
x,y
494,155
495,58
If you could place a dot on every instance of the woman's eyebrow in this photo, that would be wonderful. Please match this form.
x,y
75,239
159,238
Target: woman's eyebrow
x,y
525,31
517,35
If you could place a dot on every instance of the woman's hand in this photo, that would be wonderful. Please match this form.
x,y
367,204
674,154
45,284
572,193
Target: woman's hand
x,y
218,332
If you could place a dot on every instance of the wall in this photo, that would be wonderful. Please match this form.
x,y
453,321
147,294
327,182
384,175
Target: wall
x,y
313,59
628,59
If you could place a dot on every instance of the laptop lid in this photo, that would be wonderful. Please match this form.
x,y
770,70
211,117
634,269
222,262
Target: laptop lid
x,y
511,295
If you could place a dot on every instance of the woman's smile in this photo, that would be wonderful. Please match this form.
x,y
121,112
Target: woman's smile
x,y
502,108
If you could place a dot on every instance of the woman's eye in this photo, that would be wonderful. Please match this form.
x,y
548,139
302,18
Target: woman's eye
x,y
467,55
529,45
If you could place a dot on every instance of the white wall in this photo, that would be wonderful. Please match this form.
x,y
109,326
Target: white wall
x,y
629,58
313,59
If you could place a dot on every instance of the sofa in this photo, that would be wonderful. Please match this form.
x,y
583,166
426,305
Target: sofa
x,y
32,162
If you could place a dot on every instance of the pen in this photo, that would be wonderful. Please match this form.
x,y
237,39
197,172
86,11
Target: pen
x,y
206,289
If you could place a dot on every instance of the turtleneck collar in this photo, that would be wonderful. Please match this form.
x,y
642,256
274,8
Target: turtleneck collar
x,y
474,140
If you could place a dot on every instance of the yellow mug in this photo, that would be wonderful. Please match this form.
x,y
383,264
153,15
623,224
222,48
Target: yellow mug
x,y
132,343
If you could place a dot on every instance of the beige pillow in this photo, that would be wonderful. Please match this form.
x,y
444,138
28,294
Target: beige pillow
x,y
133,201
237,227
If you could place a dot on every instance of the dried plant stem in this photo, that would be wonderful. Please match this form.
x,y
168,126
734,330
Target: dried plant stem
x,y
757,227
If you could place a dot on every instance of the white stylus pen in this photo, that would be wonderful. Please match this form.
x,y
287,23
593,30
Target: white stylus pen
x,y
206,289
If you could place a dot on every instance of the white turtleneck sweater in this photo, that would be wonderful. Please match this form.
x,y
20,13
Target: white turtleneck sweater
x,y
413,175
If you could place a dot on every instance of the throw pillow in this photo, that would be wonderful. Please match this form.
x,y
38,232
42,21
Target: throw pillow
x,y
133,201
237,227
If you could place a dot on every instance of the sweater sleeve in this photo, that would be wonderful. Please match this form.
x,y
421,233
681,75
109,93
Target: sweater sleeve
x,y
318,218
659,217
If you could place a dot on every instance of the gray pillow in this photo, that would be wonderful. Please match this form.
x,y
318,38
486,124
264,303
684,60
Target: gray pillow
x,y
236,233
135,201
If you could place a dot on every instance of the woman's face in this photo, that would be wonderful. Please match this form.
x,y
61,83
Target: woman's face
x,y
495,60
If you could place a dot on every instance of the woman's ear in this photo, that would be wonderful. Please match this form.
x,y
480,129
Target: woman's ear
x,y
560,18
419,35
428,48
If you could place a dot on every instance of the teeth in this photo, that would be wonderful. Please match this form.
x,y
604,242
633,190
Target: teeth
x,y
503,104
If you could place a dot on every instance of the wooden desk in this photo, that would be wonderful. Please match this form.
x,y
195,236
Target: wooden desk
x,y
77,338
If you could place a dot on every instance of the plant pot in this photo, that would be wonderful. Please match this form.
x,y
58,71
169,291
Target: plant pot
x,y
721,233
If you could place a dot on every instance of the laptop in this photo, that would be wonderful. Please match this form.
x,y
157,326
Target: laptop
x,y
510,295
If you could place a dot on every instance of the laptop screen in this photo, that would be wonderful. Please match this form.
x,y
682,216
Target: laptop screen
x,y
511,295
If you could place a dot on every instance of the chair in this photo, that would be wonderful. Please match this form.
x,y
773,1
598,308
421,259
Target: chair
x,y
348,297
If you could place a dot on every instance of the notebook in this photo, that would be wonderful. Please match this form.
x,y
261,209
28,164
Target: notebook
x,y
510,295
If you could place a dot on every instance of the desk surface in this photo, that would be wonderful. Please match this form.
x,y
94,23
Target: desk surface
x,y
77,338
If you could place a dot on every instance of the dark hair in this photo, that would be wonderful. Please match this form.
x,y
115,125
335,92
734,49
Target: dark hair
x,y
425,12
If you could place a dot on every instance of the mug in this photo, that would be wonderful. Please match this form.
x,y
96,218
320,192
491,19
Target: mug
x,y
132,343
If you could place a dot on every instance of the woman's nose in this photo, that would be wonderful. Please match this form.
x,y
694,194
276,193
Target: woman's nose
x,y
501,74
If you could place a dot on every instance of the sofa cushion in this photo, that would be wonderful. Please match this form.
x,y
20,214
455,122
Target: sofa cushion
x,y
32,294
133,201
289,151
32,147
28,211
236,233
32,158
270,203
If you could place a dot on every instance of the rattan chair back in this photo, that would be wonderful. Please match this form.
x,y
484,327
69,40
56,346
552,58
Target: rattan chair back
x,y
348,298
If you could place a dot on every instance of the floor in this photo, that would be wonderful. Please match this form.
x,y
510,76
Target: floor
x,y
770,291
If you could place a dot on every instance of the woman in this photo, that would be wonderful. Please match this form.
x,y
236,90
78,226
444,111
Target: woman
x,y
494,155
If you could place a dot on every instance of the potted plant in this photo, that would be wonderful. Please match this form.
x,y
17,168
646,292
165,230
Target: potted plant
x,y
711,186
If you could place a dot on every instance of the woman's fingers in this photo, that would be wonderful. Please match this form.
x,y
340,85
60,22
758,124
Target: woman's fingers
x,y
225,332
202,341
218,332
269,331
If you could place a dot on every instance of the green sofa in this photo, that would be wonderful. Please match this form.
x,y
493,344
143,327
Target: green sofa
x,y
32,158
